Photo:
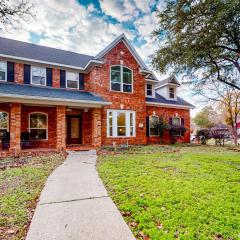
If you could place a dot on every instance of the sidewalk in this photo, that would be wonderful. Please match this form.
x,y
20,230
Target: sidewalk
x,y
74,205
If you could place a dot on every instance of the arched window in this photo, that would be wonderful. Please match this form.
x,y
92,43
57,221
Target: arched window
x,y
3,123
38,126
121,79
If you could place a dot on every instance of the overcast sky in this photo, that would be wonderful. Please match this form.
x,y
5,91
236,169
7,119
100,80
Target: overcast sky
x,y
87,27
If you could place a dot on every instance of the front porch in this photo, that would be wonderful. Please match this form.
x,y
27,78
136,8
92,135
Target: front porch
x,y
28,129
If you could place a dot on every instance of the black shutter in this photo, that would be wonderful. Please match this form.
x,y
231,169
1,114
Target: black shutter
x,y
49,77
147,126
182,122
81,81
62,78
10,71
27,69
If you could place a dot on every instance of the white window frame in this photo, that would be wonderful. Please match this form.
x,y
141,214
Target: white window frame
x,y
29,124
121,78
150,135
174,92
5,70
42,68
68,72
152,90
115,126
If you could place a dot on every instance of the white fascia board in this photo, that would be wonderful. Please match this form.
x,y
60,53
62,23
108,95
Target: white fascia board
x,y
169,105
50,101
168,84
93,61
128,44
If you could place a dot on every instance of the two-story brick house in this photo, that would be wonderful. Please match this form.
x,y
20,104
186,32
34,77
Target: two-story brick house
x,y
54,99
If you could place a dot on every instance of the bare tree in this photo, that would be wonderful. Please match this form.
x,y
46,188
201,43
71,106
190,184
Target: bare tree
x,y
12,12
228,100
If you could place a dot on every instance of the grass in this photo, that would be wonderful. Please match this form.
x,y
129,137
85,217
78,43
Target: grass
x,y
21,182
176,192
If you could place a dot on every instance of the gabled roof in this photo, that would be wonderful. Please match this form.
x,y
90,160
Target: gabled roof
x,y
37,53
23,92
161,101
123,38
170,80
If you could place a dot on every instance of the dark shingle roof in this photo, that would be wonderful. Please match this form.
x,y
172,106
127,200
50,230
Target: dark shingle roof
x,y
59,94
160,99
41,53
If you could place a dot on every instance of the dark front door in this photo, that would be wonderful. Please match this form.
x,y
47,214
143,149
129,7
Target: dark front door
x,y
74,129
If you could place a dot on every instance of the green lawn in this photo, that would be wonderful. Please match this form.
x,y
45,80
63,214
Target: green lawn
x,y
176,192
21,181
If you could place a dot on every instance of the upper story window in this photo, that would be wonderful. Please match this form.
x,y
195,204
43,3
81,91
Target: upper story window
x,y
172,92
3,123
120,123
38,126
72,80
121,79
3,71
38,75
149,90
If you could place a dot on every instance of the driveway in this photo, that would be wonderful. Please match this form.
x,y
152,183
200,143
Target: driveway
x,y
74,205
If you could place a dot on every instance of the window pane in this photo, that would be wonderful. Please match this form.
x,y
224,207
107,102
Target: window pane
x,y
121,120
38,134
2,75
116,86
3,120
149,89
2,131
38,75
110,119
38,121
153,125
72,76
131,131
176,121
131,119
127,88
171,93
121,131
72,84
110,131
115,74
127,76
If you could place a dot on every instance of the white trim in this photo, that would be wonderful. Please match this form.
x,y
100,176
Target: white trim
x,y
31,69
52,63
115,126
121,78
29,125
7,120
124,39
72,80
169,84
169,105
5,63
49,100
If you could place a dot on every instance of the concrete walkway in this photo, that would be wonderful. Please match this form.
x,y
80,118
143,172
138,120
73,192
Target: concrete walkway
x,y
74,205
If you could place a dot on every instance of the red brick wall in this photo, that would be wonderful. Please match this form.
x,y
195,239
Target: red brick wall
x,y
56,78
18,73
166,113
98,81
51,111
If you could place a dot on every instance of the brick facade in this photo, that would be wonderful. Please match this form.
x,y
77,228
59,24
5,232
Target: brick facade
x,y
166,113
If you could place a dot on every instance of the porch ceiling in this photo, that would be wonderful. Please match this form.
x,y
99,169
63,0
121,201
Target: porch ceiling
x,y
29,94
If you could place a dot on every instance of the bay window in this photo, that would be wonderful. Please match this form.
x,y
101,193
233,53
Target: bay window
x,y
3,123
121,79
120,123
72,80
38,75
3,71
38,126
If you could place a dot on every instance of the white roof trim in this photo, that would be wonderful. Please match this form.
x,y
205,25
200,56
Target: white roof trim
x,y
50,101
169,105
52,63
123,38
168,84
